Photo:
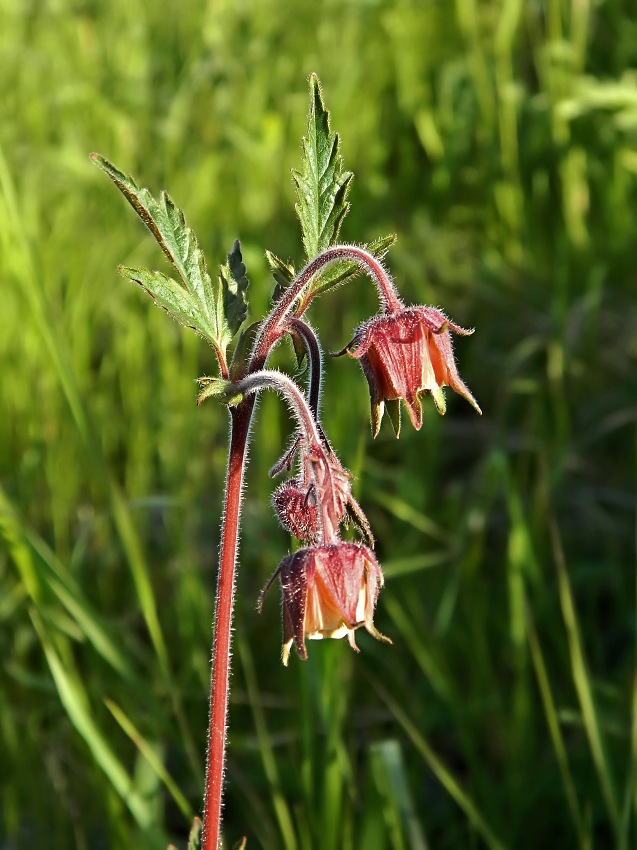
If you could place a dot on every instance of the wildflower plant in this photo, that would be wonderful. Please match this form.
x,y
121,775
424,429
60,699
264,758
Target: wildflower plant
x,y
330,586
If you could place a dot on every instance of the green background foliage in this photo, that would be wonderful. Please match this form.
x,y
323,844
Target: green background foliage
x,y
498,139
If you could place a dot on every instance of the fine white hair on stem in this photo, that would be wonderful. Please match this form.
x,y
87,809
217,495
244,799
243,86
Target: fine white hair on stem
x,y
272,379
273,326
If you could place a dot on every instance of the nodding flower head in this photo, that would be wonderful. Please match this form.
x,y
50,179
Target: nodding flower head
x,y
404,355
314,504
328,592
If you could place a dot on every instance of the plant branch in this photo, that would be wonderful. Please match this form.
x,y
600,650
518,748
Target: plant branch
x,y
314,359
270,379
274,325
240,417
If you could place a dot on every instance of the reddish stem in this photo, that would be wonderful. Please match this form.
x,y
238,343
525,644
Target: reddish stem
x,y
240,418
272,329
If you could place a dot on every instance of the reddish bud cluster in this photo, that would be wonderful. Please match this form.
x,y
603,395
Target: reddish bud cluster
x,y
313,505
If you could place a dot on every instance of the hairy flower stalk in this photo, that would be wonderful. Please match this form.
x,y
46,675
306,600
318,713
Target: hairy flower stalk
x,y
324,482
297,328
273,326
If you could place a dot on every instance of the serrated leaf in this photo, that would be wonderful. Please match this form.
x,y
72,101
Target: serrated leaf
x,y
340,272
171,297
322,183
242,351
214,311
233,285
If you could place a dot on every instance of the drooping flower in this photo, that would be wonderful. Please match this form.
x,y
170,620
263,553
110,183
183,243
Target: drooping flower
x,y
314,504
328,592
404,355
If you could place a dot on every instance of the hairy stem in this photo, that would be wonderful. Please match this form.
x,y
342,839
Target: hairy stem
x,y
314,359
270,379
274,325
240,417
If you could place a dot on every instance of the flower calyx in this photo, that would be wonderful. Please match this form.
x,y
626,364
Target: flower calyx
x,y
404,355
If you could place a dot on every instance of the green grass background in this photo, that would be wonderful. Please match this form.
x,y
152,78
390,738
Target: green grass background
x,y
498,138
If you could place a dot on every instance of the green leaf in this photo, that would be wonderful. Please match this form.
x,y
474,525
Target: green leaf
x,y
170,296
214,311
242,351
322,184
224,391
283,274
233,284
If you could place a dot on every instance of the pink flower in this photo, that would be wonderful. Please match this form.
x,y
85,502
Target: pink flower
x,y
328,592
404,355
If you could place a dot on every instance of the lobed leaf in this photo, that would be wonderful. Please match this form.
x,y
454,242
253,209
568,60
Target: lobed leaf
x,y
171,297
224,391
214,311
283,274
322,184
233,285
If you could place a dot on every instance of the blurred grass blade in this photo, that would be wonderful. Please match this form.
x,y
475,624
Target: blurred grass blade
x,y
14,237
555,730
76,704
441,772
147,751
629,809
582,680
266,749
51,573
388,767
406,513
418,646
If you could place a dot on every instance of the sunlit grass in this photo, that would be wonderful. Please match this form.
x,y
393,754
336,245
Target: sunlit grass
x,y
499,141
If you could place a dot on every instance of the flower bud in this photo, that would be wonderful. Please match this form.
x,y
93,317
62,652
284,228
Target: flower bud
x,y
296,510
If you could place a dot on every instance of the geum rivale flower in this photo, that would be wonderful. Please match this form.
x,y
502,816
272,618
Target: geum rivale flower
x,y
404,355
328,592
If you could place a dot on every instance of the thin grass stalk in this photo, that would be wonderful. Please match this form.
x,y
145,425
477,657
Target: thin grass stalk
x,y
441,772
583,684
266,749
555,731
